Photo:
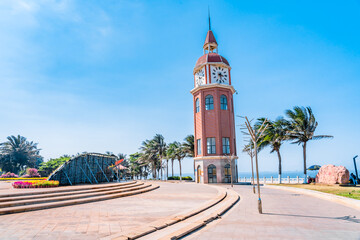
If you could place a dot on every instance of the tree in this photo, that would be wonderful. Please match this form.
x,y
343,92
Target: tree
x,y
18,153
189,148
52,164
160,148
121,155
180,154
302,126
149,155
274,136
171,154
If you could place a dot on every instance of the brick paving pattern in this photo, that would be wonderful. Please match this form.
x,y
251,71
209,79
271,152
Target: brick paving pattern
x,y
287,215
100,219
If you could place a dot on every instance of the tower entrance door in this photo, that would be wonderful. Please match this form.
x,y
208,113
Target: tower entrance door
x,y
227,173
212,174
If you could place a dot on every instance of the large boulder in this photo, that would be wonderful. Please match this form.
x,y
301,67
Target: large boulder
x,y
331,174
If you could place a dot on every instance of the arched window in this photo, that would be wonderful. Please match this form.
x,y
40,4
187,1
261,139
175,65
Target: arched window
x,y
209,102
197,105
212,174
223,102
227,173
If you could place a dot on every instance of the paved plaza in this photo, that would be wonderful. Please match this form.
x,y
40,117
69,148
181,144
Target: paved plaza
x,y
104,218
287,215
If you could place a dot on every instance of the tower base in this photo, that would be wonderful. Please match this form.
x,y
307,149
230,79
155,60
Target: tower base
x,y
216,169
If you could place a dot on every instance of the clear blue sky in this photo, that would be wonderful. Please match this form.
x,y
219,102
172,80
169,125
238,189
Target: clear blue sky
x,y
102,76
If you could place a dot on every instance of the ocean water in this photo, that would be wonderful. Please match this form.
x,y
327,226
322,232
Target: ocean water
x,y
291,174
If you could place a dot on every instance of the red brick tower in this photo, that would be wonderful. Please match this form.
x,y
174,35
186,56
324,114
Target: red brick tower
x,y
214,117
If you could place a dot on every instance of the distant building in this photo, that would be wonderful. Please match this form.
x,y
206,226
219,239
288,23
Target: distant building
x,y
214,121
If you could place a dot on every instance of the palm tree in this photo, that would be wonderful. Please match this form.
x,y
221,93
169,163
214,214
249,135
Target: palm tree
x,y
160,147
302,126
274,136
149,155
171,154
121,155
180,154
17,153
188,146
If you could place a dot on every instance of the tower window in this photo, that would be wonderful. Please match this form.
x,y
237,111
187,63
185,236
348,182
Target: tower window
x,y
223,102
198,146
211,146
197,105
226,145
209,102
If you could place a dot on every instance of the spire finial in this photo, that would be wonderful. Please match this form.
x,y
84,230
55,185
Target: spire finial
x,y
209,18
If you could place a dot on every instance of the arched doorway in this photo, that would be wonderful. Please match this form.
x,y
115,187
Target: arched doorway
x,y
227,173
212,174
198,174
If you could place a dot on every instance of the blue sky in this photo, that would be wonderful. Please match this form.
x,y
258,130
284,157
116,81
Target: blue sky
x,y
102,76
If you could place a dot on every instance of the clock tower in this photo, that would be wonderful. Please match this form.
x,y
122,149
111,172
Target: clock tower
x,y
215,144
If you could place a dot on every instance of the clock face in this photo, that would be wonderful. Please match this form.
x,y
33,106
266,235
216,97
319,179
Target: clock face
x,y
220,74
200,77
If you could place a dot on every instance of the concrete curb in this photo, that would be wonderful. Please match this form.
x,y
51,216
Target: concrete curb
x,y
353,203
223,196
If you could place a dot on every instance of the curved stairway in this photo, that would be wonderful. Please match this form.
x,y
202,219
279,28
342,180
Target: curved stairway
x,y
37,200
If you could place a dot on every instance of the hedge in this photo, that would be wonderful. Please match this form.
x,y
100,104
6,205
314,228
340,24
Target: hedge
x,y
178,178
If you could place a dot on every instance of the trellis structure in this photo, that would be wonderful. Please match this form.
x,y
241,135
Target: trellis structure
x,y
86,168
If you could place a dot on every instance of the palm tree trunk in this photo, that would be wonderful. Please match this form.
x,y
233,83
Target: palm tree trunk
x,y
154,171
161,169
180,168
304,153
279,156
167,169
172,167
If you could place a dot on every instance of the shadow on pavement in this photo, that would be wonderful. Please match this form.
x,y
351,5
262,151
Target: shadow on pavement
x,y
346,218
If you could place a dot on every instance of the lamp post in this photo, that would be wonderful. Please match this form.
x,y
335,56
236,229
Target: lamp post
x,y
356,172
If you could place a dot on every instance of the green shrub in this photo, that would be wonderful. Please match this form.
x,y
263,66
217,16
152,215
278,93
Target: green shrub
x,y
178,178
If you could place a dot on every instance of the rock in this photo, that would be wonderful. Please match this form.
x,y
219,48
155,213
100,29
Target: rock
x,y
331,174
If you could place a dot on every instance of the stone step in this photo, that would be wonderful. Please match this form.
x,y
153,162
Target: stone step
x,y
40,206
35,191
44,195
74,195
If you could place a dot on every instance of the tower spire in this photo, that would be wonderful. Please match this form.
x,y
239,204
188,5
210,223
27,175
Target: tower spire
x,y
209,18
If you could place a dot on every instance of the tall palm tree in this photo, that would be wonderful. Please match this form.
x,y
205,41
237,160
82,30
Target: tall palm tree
x,y
274,136
17,152
160,147
149,155
180,155
189,148
302,126
171,154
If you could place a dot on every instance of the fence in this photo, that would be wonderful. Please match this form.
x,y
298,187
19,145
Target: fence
x,y
265,180
86,168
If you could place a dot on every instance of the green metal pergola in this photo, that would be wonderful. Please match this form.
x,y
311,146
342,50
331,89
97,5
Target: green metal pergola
x,y
85,168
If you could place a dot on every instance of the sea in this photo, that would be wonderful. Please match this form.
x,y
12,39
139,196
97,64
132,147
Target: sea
x,y
291,174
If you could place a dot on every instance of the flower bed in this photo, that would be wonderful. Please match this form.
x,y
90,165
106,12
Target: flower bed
x,y
9,175
35,184
22,178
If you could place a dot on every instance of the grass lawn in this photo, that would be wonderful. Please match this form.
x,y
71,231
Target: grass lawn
x,y
350,192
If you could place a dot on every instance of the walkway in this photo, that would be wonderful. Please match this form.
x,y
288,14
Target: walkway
x,y
286,216
101,219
